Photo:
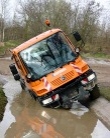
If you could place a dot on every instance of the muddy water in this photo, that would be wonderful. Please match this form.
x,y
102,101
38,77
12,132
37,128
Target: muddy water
x,y
25,118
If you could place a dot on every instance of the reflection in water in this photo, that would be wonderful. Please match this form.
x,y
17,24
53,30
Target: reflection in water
x,y
33,121
100,131
10,92
7,120
78,109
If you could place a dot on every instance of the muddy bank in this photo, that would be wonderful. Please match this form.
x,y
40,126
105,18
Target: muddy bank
x,y
4,66
4,73
101,107
3,98
3,102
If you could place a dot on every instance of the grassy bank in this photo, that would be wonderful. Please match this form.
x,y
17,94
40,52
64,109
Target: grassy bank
x,y
105,92
96,55
3,101
9,45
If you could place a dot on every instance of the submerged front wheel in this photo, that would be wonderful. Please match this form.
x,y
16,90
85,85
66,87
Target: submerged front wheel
x,y
95,93
22,83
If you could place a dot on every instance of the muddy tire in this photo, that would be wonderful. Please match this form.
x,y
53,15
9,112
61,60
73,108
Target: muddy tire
x,y
32,95
23,86
95,93
17,77
13,69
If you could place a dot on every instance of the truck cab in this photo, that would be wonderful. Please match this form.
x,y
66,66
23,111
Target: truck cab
x,y
52,71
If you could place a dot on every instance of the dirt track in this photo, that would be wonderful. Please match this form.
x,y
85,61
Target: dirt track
x,y
4,66
102,69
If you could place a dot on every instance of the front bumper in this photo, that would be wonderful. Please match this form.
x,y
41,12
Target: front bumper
x,y
70,92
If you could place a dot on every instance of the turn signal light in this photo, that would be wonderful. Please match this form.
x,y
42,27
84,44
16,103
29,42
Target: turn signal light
x,y
47,22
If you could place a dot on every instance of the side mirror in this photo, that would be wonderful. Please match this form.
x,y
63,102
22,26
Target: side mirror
x,y
77,36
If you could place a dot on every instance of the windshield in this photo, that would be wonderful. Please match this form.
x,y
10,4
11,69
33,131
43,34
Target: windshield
x,y
47,55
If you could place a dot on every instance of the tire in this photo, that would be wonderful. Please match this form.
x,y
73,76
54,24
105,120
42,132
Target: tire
x,y
23,86
16,77
95,93
32,95
67,106
13,69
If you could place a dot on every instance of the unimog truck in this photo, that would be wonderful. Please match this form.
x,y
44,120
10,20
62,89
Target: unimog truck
x,y
51,69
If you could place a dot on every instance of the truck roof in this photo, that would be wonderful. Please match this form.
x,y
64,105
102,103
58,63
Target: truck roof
x,y
34,40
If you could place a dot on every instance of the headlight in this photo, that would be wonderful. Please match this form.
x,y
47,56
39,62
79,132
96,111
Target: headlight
x,y
49,100
91,77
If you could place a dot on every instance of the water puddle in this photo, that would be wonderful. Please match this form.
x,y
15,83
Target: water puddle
x,y
78,109
25,118
10,92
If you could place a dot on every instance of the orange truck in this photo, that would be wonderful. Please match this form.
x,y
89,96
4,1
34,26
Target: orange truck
x,y
51,69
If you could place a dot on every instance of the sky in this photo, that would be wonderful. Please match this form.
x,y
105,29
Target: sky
x,y
106,8
105,3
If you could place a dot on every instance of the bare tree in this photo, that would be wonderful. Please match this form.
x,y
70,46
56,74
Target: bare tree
x,y
67,15
3,17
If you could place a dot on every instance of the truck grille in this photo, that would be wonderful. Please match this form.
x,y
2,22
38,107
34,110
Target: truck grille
x,y
64,78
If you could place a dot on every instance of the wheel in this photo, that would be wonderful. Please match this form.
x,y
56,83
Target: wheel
x,y
95,93
67,106
16,77
13,69
22,83
32,94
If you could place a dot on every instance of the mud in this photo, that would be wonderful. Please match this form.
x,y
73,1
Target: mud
x,y
4,66
25,118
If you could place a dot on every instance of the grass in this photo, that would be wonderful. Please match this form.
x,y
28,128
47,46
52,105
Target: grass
x,y
3,102
105,92
96,55
9,45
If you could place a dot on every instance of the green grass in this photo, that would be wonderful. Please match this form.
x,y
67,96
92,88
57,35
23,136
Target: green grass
x,y
9,45
105,92
3,101
97,55
101,55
